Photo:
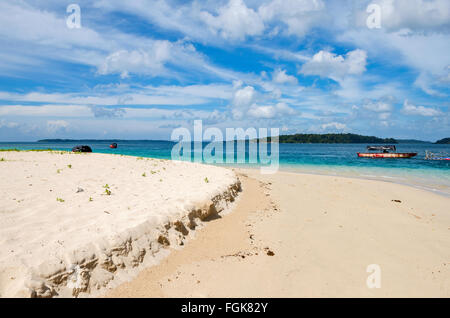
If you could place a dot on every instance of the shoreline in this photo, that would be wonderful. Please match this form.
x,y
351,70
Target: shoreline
x,y
374,178
306,235
293,241
388,179
429,179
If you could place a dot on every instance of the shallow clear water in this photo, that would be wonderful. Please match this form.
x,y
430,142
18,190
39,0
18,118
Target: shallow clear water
x,y
331,159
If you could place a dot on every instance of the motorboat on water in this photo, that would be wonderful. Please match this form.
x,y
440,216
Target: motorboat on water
x,y
389,151
113,145
436,156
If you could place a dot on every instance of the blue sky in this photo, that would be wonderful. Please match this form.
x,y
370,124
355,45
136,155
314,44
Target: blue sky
x,y
139,69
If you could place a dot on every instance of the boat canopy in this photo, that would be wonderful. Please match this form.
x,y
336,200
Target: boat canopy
x,y
382,148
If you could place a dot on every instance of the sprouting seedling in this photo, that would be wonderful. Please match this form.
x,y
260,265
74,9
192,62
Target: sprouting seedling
x,y
90,199
144,175
2,159
59,200
58,171
206,180
70,166
107,191
152,172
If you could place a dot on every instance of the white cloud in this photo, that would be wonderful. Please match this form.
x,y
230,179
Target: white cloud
x,y
411,109
426,52
234,21
247,101
150,62
426,82
61,113
36,37
384,116
268,112
333,126
146,95
112,112
244,97
262,111
280,77
298,15
336,67
281,53
45,111
56,125
8,124
183,17
378,106
413,15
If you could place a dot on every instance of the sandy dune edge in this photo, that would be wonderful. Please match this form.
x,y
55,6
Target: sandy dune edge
x,y
63,235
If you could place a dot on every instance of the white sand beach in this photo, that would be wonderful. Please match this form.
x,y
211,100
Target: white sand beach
x,y
300,235
71,224
157,234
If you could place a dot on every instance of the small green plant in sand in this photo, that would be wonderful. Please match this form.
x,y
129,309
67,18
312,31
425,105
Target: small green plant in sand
x,y
70,166
59,200
144,175
90,199
107,191
152,172
206,180
2,159
58,171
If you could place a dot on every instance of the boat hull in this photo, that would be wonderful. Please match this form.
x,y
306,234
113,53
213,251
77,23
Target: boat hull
x,y
387,155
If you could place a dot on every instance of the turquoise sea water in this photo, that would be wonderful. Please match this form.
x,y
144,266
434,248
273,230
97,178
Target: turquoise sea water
x,y
330,159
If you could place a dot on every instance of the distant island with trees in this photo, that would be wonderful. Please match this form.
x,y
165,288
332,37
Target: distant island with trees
x,y
302,139
445,141
347,139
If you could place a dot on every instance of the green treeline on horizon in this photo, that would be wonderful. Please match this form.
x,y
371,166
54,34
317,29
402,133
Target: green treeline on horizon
x,y
347,139
443,141
332,139
306,139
